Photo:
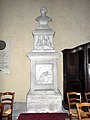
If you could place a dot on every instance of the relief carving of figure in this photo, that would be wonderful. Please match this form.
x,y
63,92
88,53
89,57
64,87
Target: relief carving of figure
x,y
43,42
44,77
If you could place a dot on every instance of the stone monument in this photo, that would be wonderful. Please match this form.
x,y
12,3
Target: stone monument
x,y
44,95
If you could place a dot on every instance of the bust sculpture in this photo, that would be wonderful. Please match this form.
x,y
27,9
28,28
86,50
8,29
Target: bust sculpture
x,y
43,19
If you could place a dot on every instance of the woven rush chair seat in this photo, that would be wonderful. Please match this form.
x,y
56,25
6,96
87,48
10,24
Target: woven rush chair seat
x,y
84,114
7,99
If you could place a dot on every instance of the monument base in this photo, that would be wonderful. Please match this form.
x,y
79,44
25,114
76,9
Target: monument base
x,y
43,101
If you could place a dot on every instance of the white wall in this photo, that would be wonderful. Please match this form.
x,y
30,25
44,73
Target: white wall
x,y
71,21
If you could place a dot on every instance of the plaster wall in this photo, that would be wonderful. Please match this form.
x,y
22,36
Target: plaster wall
x,y
71,22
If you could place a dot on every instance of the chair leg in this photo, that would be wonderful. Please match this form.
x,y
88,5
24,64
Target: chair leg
x,y
9,118
70,117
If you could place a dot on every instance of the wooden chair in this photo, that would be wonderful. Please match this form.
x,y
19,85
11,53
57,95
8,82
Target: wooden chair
x,y
82,109
7,100
73,99
87,96
1,111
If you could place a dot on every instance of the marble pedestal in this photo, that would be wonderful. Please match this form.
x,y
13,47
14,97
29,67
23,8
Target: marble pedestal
x,y
44,95
44,101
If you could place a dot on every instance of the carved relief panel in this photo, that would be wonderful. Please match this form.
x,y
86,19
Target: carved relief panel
x,y
43,42
44,74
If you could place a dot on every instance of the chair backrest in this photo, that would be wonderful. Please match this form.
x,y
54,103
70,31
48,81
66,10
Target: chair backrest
x,y
87,96
73,99
7,100
83,111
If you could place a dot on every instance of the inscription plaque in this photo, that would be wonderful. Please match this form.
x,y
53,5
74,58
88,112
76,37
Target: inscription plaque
x,y
4,56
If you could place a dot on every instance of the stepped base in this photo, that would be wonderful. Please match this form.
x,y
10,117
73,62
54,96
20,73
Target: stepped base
x,y
44,101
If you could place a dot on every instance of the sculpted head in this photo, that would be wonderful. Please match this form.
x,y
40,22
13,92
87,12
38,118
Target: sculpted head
x,y
43,10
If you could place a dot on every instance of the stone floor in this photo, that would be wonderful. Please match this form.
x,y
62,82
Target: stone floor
x,y
20,107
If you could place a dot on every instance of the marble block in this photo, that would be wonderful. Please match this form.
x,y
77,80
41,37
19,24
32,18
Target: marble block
x,y
44,101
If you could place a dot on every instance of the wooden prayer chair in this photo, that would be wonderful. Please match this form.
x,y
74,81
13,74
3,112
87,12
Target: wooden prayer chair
x,y
87,96
73,99
7,99
83,111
